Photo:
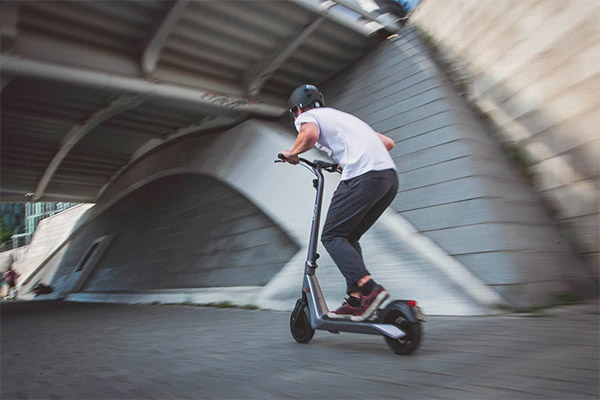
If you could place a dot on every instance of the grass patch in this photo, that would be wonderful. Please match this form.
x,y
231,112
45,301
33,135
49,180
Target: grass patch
x,y
521,159
452,68
501,307
560,299
222,304
568,299
538,311
228,304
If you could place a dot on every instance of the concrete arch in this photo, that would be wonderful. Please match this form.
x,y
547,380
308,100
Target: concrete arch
x,y
243,159
179,231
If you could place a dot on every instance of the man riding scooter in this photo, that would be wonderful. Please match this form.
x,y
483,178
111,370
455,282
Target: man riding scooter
x,y
368,185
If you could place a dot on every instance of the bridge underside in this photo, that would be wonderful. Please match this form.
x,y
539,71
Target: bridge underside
x,y
89,86
179,160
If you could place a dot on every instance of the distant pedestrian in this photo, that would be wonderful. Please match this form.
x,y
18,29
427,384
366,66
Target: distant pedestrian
x,y
42,288
10,279
7,259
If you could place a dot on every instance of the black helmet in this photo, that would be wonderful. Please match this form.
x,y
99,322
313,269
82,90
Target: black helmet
x,y
305,97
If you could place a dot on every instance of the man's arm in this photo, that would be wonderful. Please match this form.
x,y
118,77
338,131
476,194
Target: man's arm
x,y
306,139
387,142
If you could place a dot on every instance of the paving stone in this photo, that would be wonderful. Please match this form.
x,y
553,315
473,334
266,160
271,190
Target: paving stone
x,y
77,350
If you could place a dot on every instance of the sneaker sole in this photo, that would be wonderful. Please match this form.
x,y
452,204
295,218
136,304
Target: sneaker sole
x,y
333,315
371,310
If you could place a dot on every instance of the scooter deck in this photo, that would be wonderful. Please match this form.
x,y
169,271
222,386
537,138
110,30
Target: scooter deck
x,y
346,325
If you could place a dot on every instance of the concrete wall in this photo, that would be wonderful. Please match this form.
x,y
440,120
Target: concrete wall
x,y
464,221
180,231
456,185
49,236
534,68
242,160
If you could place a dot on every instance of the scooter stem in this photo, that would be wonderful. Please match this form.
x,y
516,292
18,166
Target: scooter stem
x,y
311,259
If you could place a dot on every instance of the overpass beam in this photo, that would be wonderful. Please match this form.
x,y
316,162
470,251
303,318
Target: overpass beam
x,y
9,17
151,53
210,123
9,11
323,9
385,20
78,132
222,103
260,73
4,80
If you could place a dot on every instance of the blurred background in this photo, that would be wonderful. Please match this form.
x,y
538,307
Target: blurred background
x,y
138,140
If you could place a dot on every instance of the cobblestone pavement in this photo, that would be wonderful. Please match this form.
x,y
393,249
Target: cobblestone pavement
x,y
53,350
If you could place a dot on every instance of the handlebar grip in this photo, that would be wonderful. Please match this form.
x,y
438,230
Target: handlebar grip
x,y
316,164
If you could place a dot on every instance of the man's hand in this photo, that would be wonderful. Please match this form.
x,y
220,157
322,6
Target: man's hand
x,y
290,157
387,142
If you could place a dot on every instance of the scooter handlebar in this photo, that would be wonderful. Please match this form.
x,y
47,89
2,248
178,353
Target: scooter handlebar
x,y
305,161
327,166
316,164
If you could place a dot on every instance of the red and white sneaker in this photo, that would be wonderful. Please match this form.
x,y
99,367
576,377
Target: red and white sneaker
x,y
345,311
370,303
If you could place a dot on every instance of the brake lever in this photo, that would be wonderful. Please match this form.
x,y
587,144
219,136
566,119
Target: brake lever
x,y
335,168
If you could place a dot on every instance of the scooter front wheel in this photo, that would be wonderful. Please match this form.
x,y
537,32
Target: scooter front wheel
x,y
300,327
398,317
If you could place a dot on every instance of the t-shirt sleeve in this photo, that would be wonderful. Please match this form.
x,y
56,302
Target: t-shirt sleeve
x,y
304,118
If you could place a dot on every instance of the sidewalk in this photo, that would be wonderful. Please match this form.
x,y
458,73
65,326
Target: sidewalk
x,y
53,350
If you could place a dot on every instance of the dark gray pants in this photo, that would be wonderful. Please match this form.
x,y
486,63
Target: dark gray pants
x,y
356,204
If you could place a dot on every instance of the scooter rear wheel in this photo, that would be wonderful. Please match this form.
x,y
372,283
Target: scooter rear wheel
x,y
407,344
300,327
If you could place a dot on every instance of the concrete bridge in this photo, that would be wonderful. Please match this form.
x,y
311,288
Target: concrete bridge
x,y
175,150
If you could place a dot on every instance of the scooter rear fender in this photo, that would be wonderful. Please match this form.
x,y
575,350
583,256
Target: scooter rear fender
x,y
401,305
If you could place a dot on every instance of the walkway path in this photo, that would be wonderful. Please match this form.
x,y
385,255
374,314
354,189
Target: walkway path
x,y
55,350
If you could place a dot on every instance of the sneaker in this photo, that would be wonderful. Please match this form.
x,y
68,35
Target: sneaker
x,y
345,311
370,303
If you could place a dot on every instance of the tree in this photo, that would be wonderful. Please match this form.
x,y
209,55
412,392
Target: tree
x,y
5,235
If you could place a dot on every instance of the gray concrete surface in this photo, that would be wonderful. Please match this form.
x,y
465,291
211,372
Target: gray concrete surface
x,y
459,198
457,186
146,219
523,80
53,350
181,231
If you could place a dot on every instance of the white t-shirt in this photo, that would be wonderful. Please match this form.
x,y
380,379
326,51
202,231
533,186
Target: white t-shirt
x,y
348,139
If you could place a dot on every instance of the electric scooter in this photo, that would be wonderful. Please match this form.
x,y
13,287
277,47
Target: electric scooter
x,y
399,322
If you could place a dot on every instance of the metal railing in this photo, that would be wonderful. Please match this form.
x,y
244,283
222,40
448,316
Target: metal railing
x,y
16,241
